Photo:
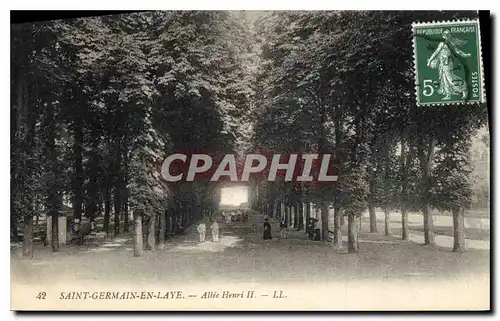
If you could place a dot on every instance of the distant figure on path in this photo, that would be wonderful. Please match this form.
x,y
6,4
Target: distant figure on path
x,y
215,231
267,230
202,231
283,229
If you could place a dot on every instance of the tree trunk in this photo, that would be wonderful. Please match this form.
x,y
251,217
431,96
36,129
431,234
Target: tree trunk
x,y
13,227
125,213
404,161
93,187
458,230
404,223
352,234
337,232
426,160
78,163
324,221
170,228
295,216
387,221
150,246
373,219
28,237
53,197
118,185
117,206
138,246
125,190
184,217
107,209
428,224
301,216
308,213
55,231
163,227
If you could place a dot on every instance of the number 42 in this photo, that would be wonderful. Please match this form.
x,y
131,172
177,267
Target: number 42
x,y
41,296
428,89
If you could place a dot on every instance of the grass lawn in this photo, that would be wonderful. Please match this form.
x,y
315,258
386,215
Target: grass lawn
x,y
470,233
480,213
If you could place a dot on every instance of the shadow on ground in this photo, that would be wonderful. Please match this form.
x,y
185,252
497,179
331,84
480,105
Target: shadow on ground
x,y
243,256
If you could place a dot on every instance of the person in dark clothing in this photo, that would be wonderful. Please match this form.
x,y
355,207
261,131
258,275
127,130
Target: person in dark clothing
x,y
267,230
284,229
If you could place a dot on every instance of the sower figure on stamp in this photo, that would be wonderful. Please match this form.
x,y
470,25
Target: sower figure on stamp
x,y
215,231
444,59
202,230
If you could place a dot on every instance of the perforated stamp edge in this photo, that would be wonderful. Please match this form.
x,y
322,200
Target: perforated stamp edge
x,y
480,57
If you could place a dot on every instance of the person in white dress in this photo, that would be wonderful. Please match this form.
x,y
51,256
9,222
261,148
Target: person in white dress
x,y
215,231
202,231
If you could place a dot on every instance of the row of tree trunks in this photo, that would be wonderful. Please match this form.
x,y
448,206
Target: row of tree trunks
x,y
145,229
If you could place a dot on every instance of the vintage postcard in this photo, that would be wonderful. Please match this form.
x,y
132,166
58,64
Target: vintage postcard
x,y
250,160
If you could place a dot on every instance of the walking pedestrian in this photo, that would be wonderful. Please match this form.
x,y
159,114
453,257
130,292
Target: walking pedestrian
x,y
283,229
215,231
267,230
202,230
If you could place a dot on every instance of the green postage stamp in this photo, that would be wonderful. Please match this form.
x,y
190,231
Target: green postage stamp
x,y
448,64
